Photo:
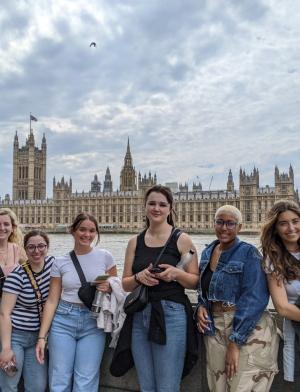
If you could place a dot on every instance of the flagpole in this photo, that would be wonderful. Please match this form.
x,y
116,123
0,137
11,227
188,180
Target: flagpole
x,y
30,123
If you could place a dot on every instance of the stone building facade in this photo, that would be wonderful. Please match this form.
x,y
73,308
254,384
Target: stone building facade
x,y
123,209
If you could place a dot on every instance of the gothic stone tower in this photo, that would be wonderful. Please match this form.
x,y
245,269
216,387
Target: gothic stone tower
x,y
249,188
128,174
230,183
29,169
284,184
146,182
62,189
107,185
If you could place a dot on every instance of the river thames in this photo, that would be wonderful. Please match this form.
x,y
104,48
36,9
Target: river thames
x,y
116,244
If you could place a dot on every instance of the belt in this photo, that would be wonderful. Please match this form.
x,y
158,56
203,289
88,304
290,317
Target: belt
x,y
222,307
74,304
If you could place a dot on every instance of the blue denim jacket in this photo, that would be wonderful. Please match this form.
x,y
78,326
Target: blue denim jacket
x,y
238,280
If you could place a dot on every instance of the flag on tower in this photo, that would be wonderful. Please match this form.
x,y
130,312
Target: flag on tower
x,y
32,118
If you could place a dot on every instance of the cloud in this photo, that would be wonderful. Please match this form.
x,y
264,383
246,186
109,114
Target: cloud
x,y
199,87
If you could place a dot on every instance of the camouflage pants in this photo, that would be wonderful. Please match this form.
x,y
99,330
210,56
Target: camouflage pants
x,y
258,357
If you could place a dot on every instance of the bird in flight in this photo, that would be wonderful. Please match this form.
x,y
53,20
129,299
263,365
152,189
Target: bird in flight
x,y
93,44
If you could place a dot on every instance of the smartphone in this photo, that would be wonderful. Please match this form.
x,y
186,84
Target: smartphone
x,y
156,270
101,277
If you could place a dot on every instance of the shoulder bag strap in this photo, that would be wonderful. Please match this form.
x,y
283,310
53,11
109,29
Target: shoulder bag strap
x,y
165,246
78,267
2,276
35,286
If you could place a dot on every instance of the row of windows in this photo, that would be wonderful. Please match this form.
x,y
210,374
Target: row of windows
x,y
23,172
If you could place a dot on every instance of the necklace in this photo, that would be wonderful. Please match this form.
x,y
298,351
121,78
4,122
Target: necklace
x,y
37,278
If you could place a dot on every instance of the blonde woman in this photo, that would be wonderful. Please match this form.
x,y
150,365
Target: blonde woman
x,y
240,336
11,250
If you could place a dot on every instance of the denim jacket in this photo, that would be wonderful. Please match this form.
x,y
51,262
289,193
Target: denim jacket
x,y
238,280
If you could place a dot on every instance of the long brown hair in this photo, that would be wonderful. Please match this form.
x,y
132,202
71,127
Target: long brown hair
x,y
284,265
164,190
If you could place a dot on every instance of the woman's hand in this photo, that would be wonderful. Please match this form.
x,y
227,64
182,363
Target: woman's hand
x,y
203,322
232,360
104,287
40,350
7,356
147,278
169,274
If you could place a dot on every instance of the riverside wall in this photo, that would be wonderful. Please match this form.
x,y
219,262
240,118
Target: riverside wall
x,y
195,381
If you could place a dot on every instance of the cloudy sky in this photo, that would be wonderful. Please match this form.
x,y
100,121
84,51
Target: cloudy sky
x,y
199,86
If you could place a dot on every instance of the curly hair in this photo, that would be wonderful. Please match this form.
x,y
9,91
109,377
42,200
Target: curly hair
x,y
284,265
16,235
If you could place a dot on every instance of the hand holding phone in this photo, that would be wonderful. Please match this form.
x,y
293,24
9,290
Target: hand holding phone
x,y
156,270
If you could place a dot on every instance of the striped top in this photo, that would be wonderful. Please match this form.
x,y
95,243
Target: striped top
x,y
25,315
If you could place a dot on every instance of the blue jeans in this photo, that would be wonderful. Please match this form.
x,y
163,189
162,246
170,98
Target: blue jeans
x,y
159,367
76,347
35,375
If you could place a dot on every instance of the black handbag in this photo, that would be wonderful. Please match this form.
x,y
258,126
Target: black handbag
x,y
138,298
86,292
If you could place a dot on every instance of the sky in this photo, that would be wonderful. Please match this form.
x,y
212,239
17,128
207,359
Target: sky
x,y
198,86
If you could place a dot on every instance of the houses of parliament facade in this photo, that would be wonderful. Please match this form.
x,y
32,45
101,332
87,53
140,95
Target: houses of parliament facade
x,y
122,210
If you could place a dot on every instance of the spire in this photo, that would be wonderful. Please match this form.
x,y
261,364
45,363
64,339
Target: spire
x,y
128,158
44,143
291,172
16,140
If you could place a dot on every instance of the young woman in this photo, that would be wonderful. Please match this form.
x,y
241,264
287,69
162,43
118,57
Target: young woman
x,y
240,338
24,294
75,343
160,331
280,241
11,249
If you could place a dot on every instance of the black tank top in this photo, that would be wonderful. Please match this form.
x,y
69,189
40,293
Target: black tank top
x,y
144,255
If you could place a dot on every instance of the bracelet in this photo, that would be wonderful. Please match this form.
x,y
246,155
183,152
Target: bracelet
x,y
42,337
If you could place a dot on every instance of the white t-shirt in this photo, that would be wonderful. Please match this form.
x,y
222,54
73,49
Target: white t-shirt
x,y
292,287
94,263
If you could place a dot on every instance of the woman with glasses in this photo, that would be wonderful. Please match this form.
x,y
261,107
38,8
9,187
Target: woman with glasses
x,y
24,293
280,240
75,342
11,249
240,336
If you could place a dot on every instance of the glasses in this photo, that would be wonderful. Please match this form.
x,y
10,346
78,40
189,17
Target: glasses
x,y
40,247
229,224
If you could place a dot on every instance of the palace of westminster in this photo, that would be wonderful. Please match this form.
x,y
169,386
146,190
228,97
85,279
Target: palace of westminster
x,y
123,209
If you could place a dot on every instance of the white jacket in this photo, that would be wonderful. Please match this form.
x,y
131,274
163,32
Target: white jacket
x,y
112,315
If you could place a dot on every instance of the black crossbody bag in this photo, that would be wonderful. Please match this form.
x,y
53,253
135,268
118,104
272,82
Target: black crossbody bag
x,y
86,292
2,279
138,298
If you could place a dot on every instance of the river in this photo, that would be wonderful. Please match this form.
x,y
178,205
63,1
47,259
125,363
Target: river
x,y
116,244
